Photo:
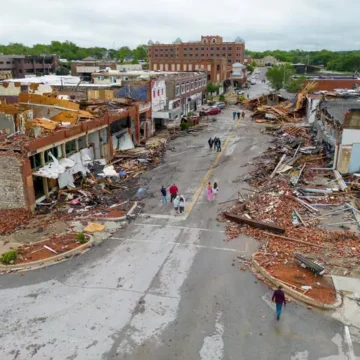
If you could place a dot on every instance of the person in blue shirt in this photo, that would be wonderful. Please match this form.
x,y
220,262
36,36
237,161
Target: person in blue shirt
x,y
163,193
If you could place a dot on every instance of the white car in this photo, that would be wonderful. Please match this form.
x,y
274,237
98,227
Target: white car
x,y
253,82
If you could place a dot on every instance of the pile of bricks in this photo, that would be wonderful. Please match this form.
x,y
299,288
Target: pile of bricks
x,y
13,219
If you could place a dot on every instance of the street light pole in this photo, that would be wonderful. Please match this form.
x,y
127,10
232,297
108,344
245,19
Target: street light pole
x,y
284,78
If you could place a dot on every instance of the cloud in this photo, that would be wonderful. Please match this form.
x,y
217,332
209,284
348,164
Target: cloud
x,y
264,24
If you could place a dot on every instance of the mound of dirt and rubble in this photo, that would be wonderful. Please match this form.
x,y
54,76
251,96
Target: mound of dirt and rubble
x,y
303,213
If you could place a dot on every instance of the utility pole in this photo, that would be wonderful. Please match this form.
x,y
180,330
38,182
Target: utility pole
x,y
284,78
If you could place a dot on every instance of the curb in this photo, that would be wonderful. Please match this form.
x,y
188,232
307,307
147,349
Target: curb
x,y
49,261
118,218
293,293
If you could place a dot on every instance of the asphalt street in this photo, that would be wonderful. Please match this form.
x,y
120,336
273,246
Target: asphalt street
x,y
164,288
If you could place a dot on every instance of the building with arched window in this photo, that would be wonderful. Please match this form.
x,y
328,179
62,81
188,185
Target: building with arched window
x,y
211,54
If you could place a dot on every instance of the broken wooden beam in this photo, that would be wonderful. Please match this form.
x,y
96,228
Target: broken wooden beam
x,y
277,166
295,240
254,223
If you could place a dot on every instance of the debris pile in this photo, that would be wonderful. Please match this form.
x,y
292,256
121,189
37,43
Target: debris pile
x,y
301,209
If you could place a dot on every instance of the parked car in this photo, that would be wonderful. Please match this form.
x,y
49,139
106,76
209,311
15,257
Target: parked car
x,y
220,105
212,111
240,92
253,81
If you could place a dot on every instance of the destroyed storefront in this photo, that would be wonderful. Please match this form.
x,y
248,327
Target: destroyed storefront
x,y
337,128
49,144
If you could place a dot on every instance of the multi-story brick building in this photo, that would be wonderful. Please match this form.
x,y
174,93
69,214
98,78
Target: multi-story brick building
x,y
211,54
21,66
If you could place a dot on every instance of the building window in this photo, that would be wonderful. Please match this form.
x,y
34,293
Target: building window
x,y
196,55
229,61
156,55
161,49
224,48
183,88
196,48
202,48
202,55
192,85
154,94
171,50
229,48
166,49
177,90
190,48
214,40
70,147
185,48
212,54
212,49
35,161
171,55
156,49
158,92
229,54
190,55
218,55
166,55
185,55
217,67
204,41
162,91
217,48
187,87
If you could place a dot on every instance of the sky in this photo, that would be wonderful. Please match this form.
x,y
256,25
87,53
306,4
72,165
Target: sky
x,y
264,24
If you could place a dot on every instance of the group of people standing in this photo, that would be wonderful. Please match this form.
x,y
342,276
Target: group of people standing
x,y
178,200
216,142
238,114
212,191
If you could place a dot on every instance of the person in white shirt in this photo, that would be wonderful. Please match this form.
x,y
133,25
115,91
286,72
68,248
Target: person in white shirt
x,y
176,204
215,190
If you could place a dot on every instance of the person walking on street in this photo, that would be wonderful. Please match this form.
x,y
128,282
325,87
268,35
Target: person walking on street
x,y
238,115
279,298
181,204
211,142
215,142
176,204
173,192
209,191
234,115
243,114
163,193
219,145
215,190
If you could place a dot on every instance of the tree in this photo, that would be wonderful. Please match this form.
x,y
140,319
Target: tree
x,y
280,76
295,85
123,52
211,88
62,71
250,68
140,53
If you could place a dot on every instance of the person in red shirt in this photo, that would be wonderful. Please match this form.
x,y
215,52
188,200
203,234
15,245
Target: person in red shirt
x,y
279,298
173,192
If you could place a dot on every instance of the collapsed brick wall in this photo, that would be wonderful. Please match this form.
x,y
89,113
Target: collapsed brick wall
x,y
12,195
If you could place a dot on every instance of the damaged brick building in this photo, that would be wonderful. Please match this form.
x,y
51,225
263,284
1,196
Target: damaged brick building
x,y
46,143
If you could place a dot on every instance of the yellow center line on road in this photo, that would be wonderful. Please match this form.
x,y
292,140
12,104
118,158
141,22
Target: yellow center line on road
x,y
208,174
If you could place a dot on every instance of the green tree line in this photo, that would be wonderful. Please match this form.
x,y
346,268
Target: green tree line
x,y
331,60
70,51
